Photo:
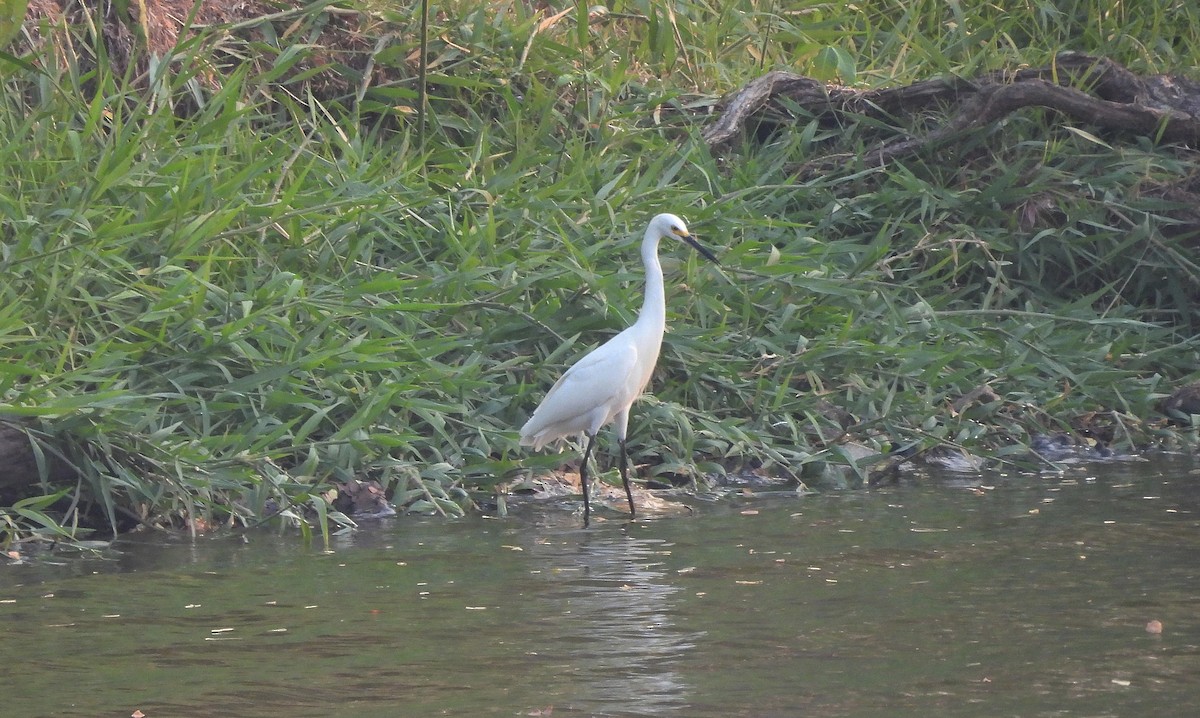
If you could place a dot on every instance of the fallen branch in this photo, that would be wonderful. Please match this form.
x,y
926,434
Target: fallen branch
x,y
1094,90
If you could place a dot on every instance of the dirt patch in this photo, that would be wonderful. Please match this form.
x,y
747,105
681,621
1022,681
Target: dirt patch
x,y
336,42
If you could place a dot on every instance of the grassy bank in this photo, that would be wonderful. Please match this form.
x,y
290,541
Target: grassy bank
x,y
223,297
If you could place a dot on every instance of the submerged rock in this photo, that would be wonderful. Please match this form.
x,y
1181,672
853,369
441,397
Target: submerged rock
x,y
363,500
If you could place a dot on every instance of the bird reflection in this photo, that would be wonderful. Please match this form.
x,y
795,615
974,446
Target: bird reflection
x,y
608,606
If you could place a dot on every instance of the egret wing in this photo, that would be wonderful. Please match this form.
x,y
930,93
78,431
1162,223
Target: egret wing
x,y
594,389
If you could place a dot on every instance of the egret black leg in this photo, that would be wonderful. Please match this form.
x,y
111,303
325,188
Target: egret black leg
x,y
625,477
583,479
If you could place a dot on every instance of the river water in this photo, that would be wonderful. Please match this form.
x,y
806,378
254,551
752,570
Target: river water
x,y
962,595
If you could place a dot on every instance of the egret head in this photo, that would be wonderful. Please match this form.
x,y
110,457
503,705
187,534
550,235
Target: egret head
x,y
668,225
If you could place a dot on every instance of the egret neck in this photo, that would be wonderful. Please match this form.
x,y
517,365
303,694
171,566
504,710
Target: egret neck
x,y
652,320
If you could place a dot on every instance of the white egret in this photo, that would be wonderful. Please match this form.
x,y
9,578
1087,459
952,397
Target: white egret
x,y
599,389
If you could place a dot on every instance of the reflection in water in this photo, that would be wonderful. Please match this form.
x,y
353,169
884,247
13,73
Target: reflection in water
x,y
608,616
1027,598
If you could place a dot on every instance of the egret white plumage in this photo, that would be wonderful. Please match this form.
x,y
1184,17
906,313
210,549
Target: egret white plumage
x,y
599,389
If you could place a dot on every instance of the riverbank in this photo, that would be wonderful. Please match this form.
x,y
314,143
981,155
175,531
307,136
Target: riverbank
x,y
232,285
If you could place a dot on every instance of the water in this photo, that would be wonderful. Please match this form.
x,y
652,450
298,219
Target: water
x,y
1027,597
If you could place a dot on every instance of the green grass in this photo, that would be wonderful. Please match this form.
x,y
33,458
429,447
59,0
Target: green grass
x,y
218,312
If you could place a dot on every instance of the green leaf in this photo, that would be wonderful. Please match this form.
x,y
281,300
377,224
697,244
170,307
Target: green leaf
x,y
12,15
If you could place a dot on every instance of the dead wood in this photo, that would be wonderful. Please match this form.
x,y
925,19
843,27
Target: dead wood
x,y
1089,89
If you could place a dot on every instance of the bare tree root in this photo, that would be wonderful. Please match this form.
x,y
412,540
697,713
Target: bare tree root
x,y
1094,90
